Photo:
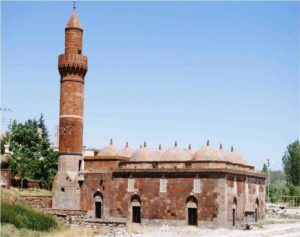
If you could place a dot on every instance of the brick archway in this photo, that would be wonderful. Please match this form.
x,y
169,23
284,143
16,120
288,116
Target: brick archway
x,y
192,211
136,209
234,211
98,205
256,210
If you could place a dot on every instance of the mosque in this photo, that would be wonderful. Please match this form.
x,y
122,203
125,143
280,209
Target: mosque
x,y
206,187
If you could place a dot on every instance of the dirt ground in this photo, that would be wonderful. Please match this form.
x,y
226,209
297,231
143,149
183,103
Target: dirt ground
x,y
291,229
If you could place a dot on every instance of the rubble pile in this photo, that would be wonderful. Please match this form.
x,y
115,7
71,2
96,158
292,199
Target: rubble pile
x,y
276,210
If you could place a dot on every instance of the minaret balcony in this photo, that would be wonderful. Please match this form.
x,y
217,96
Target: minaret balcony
x,y
72,63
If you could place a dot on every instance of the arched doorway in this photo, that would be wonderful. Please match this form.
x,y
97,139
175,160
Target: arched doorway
x,y
98,203
234,212
136,209
192,211
256,209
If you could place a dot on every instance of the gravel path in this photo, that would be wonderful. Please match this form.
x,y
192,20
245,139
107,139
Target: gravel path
x,y
272,230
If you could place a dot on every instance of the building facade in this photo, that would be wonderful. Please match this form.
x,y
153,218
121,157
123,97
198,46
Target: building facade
x,y
206,187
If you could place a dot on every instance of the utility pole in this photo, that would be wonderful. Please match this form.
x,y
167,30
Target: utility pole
x,y
268,177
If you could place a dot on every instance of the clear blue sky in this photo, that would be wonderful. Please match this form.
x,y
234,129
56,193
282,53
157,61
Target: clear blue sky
x,y
160,72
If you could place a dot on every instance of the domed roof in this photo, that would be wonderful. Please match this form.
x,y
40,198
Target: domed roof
x,y
109,150
232,156
144,154
235,157
189,150
158,153
208,153
176,154
127,151
74,22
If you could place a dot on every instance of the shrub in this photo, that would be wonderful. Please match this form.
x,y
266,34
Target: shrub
x,y
25,217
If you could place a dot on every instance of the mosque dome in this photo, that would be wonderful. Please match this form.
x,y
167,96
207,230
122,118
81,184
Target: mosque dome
x,y
235,157
190,151
158,153
144,154
232,157
208,153
127,151
176,154
109,150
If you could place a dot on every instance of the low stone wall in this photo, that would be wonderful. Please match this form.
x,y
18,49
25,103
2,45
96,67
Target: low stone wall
x,y
39,202
76,218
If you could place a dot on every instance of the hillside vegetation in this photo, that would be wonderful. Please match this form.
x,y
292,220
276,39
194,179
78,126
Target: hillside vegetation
x,y
20,220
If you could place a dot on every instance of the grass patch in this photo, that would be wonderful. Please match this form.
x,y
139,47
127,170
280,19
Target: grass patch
x,y
9,230
31,192
25,217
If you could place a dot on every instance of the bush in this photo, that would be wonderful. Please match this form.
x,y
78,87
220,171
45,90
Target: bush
x,y
25,217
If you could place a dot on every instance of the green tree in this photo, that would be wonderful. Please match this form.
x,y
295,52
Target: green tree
x,y
3,141
41,125
291,163
31,155
265,169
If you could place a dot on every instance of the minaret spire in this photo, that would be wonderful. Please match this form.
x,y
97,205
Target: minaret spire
x,y
74,5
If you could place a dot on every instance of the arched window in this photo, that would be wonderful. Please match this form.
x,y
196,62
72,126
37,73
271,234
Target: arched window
x,y
136,209
192,210
98,203
234,208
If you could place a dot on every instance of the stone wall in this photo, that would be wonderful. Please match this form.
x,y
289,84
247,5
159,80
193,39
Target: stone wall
x,y
76,218
39,202
249,194
155,205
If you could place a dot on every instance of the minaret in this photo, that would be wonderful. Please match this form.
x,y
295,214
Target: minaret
x,y
72,66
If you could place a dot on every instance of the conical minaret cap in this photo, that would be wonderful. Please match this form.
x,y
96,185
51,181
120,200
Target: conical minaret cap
x,y
74,22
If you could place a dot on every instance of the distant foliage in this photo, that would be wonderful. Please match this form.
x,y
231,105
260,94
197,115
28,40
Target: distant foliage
x,y
31,155
265,169
25,217
3,140
291,163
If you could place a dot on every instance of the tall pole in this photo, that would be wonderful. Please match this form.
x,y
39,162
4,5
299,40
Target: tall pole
x,y
268,174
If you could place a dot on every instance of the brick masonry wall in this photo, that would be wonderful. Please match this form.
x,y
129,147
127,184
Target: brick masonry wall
x,y
170,205
246,199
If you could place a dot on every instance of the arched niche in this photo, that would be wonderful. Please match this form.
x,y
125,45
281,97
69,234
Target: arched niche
x,y
192,210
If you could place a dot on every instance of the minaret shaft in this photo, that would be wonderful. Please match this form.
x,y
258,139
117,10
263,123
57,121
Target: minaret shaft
x,y
72,66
